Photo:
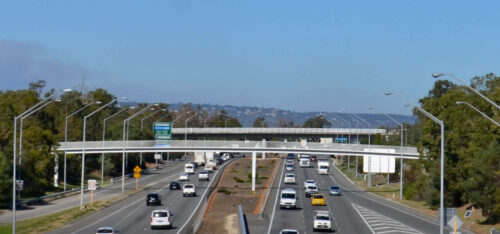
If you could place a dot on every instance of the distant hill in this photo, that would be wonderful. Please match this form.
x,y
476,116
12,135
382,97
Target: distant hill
x,y
247,115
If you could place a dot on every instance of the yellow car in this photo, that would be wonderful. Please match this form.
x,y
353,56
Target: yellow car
x,y
318,200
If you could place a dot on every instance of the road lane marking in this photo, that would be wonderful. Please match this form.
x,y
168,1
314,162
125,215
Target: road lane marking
x,y
276,200
199,203
379,223
368,198
117,211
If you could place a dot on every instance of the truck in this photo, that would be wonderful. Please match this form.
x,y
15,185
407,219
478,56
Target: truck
x,y
199,158
323,167
189,168
210,163
304,162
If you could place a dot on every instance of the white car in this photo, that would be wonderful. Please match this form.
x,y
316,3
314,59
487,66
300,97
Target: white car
x,y
288,198
161,218
188,190
289,231
309,182
184,176
203,176
289,178
289,167
322,220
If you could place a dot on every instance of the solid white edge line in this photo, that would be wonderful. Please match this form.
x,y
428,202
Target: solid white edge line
x,y
275,200
364,220
125,207
199,203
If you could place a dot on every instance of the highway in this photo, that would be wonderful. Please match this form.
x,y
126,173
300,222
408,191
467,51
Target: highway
x,y
105,192
355,211
131,215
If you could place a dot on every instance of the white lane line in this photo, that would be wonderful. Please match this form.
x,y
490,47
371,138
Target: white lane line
x,y
201,200
375,220
276,200
403,211
118,211
366,222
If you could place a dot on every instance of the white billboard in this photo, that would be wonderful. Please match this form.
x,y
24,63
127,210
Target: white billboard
x,y
379,163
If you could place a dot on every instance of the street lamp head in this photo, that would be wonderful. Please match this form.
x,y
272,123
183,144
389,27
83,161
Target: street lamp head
x,y
156,104
58,100
437,75
152,109
67,90
388,93
132,107
459,102
163,109
98,102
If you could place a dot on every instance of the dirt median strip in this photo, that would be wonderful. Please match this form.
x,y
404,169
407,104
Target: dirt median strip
x,y
263,194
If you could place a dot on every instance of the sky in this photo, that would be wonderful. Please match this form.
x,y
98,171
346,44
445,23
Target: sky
x,y
293,55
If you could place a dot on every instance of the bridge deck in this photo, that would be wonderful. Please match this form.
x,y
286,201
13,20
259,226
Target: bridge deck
x,y
95,147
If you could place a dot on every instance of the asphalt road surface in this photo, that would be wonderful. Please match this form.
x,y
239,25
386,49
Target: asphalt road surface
x,y
355,211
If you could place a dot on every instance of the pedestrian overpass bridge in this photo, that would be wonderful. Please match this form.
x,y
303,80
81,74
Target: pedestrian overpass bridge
x,y
278,132
98,147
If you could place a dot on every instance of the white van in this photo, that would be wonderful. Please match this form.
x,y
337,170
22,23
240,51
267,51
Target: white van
x,y
323,167
189,168
288,198
304,162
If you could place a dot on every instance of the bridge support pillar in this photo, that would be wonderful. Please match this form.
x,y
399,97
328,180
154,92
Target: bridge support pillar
x,y
263,155
254,169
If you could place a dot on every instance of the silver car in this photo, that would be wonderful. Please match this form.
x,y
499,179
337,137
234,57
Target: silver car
x,y
335,190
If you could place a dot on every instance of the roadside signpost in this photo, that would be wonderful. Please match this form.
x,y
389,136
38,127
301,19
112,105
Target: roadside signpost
x,y
455,223
467,216
92,184
137,175
163,133
20,185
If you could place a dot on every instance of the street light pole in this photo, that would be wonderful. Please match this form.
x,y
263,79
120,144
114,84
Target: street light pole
x,y
83,148
400,158
185,126
104,137
441,192
125,137
66,135
369,146
142,126
477,110
14,152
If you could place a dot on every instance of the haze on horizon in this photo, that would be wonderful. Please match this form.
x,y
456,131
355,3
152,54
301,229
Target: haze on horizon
x,y
291,55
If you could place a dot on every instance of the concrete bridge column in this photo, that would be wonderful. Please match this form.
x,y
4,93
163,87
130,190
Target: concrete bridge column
x,y
254,168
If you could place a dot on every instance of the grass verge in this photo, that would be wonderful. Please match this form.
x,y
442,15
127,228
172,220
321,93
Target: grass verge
x,y
60,219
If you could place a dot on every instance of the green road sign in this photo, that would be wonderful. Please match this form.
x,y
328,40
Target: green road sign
x,y
163,133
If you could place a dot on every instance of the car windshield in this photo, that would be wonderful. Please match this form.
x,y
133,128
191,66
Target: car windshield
x,y
105,230
290,176
188,186
288,195
322,217
289,232
310,181
318,196
160,214
323,167
334,188
152,195
184,174
312,187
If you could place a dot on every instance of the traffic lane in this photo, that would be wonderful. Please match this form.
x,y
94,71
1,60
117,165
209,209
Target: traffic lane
x,y
181,208
111,215
74,200
389,209
345,217
289,218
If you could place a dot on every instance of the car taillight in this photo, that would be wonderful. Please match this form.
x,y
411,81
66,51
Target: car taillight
x,y
169,219
151,220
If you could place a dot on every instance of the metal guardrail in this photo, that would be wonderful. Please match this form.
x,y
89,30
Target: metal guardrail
x,y
243,223
77,189
235,146
285,131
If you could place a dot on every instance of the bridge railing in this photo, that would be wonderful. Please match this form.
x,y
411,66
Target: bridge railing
x,y
198,144
362,131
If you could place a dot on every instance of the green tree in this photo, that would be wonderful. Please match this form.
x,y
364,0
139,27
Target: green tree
x,y
317,122
259,122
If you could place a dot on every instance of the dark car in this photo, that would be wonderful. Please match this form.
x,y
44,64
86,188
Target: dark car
x,y
290,156
313,159
194,164
175,185
153,198
219,161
